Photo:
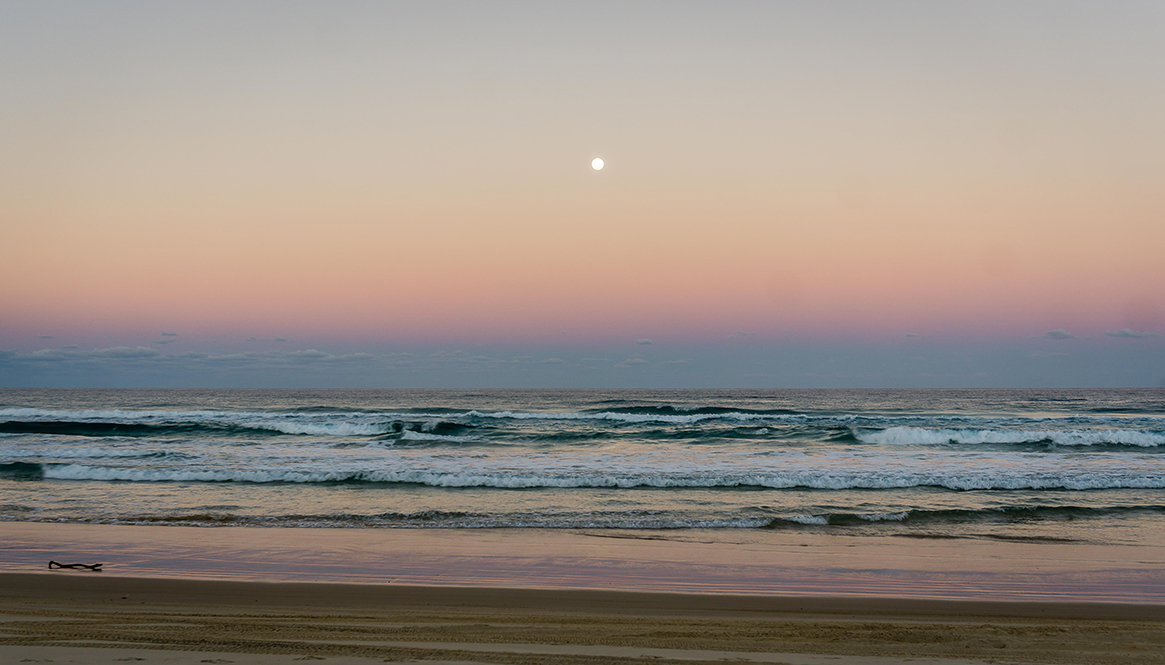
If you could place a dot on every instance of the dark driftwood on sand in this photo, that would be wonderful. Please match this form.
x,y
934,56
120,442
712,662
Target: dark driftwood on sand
x,y
76,566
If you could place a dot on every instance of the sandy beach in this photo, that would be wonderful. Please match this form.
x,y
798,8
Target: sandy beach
x,y
75,617
709,561
187,595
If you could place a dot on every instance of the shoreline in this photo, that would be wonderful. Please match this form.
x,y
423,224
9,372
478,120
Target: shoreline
x,y
186,595
704,562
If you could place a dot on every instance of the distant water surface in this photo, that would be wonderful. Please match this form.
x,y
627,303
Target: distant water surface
x,y
1055,465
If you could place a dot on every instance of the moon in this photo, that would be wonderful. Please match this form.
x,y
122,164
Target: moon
x,y
597,164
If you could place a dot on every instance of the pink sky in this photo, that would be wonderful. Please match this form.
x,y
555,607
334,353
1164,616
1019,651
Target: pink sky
x,y
409,175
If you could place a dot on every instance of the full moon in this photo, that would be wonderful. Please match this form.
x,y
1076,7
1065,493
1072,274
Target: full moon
x,y
597,164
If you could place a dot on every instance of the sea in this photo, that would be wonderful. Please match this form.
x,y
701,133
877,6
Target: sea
x,y
1020,465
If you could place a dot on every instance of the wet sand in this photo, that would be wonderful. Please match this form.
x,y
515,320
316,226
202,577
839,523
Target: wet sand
x,y
194,595
732,561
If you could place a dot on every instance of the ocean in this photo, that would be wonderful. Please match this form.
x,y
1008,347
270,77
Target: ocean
x,y
1017,465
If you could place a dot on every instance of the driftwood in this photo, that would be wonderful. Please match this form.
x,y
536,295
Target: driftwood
x,y
76,566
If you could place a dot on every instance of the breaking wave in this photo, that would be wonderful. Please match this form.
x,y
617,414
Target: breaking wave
x,y
965,516
224,427
902,523
898,436
953,480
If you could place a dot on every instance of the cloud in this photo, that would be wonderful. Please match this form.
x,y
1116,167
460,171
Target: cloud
x,y
643,341
44,336
912,334
1059,333
264,339
595,363
152,367
741,333
460,359
127,353
552,361
251,339
168,340
169,334
1129,333
72,357
308,353
313,356
632,362
70,354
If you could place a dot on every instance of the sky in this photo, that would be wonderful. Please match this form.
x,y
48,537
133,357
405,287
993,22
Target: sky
x,y
382,195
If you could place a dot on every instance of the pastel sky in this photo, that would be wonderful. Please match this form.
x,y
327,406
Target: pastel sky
x,y
368,194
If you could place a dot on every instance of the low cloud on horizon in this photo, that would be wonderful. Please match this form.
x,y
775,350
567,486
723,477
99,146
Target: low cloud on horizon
x,y
1129,333
1120,358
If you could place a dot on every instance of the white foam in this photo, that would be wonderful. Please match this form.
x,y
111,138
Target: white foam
x,y
922,436
807,519
353,423
633,417
885,517
321,429
511,479
81,472
410,435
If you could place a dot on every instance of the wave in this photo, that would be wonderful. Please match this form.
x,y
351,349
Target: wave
x,y
422,520
316,421
21,471
325,429
107,429
242,428
90,452
899,523
411,435
922,436
632,418
963,516
955,480
340,519
146,423
668,410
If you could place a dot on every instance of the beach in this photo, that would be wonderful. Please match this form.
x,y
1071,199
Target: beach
x,y
849,527
537,596
78,618
582,333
